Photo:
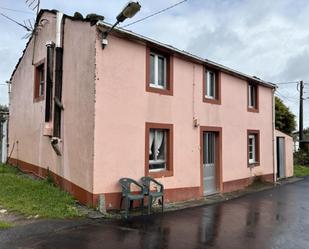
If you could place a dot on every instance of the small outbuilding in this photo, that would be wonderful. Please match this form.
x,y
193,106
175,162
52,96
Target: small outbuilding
x,y
284,145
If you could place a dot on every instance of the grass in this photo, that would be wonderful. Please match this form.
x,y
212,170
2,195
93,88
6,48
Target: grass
x,y
31,197
301,171
4,225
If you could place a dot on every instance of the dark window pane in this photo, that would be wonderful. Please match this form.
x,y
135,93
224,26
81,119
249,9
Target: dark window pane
x,y
212,84
157,166
152,68
161,71
40,80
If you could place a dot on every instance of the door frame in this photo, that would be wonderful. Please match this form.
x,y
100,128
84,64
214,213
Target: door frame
x,y
217,130
278,159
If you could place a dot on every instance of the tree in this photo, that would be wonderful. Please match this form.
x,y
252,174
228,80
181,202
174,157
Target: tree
x,y
3,110
306,133
285,119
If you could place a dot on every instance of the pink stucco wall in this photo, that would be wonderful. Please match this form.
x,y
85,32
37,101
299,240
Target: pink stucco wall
x,y
27,117
123,107
289,148
106,108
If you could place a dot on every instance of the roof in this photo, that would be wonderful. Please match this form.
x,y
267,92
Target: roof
x,y
42,11
131,35
30,38
135,36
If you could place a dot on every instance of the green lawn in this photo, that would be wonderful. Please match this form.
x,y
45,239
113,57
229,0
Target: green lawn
x,y
301,171
4,225
30,197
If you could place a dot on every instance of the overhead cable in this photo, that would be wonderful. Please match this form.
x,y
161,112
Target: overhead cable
x,y
156,13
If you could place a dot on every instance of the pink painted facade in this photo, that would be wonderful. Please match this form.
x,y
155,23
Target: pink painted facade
x,y
107,106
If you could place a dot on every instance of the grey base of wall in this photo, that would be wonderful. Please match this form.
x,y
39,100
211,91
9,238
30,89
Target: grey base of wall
x,y
112,200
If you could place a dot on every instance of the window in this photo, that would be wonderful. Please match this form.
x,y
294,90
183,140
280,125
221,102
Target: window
x,y
253,148
210,85
252,151
159,149
252,97
159,72
39,82
211,92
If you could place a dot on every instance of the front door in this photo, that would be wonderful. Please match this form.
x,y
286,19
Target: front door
x,y
209,162
280,157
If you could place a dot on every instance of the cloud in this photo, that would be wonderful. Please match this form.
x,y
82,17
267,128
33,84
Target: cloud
x,y
269,39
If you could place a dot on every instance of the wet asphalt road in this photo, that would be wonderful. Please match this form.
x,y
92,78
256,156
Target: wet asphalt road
x,y
276,218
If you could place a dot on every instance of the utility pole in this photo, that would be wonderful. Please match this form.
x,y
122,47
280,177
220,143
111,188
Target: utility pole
x,y
301,114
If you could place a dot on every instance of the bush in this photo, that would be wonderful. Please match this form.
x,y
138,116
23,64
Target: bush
x,y
301,158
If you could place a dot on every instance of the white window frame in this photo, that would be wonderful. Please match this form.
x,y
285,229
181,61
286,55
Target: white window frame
x,y
210,85
159,161
252,137
155,84
251,101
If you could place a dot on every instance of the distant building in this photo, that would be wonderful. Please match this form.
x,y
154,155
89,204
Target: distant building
x,y
4,141
137,107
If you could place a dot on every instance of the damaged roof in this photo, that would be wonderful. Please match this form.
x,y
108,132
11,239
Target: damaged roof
x,y
98,20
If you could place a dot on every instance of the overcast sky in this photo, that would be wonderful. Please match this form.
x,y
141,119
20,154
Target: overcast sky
x,y
268,39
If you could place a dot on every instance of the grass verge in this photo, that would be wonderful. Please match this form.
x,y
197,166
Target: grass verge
x,y
31,197
4,225
301,171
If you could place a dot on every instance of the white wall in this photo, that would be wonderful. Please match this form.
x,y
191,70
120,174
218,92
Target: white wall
x,y
4,142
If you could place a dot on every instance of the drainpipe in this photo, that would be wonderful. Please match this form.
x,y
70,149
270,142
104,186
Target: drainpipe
x,y
49,80
273,130
58,107
59,18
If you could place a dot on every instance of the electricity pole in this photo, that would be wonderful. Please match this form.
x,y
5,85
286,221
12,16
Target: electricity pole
x,y
301,114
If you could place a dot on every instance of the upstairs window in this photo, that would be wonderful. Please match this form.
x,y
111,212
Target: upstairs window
x,y
210,85
253,148
252,97
39,84
159,72
211,92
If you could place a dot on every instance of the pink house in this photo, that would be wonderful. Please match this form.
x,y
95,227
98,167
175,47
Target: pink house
x,y
90,115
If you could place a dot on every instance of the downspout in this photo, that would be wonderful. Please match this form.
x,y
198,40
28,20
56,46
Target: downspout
x,y
58,107
273,131
49,81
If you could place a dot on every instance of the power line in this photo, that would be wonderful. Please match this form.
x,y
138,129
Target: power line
x,y
156,13
288,98
285,83
19,11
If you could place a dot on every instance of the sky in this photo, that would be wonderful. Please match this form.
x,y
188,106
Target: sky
x,y
267,39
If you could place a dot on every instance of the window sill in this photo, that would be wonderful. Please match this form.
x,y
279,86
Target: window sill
x,y
159,174
252,109
211,100
162,91
252,165
38,99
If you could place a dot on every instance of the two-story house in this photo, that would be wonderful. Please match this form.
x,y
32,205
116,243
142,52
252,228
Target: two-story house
x,y
90,115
